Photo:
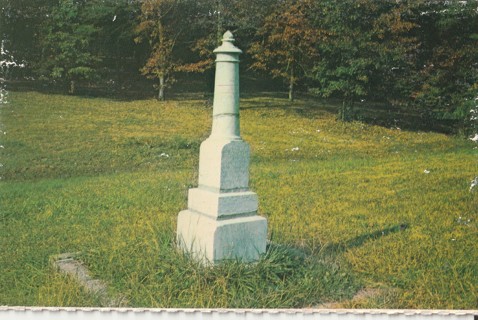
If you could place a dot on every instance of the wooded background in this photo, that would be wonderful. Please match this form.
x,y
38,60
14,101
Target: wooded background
x,y
413,55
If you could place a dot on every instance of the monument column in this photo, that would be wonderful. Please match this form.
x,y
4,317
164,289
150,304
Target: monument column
x,y
221,221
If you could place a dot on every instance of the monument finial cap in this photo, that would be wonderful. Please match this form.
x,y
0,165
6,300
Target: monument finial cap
x,y
227,36
227,45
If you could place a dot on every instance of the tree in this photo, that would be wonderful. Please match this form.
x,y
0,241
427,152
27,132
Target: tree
x,y
66,43
115,21
67,53
347,62
365,50
286,45
211,18
208,24
161,23
20,26
395,40
446,79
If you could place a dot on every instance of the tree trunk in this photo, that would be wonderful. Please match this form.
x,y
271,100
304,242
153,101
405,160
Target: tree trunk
x,y
346,112
342,112
219,21
72,87
161,88
291,85
161,66
118,64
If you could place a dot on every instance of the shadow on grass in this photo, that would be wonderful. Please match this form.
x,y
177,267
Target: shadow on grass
x,y
137,90
406,118
373,113
337,248
259,94
301,253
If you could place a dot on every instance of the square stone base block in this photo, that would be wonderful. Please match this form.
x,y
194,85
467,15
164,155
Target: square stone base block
x,y
211,240
220,205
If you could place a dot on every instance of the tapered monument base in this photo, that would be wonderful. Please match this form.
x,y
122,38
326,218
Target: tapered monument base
x,y
211,240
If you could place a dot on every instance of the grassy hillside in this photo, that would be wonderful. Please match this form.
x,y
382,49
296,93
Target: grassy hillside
x,y
359,215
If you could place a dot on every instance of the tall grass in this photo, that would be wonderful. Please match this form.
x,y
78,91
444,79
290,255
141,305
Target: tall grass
x,y
349,205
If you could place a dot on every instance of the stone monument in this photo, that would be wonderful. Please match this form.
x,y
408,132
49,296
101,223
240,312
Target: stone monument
x,y
221,221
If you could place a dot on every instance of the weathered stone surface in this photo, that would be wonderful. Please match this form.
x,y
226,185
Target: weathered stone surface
x,y
211,240
226,91
68,264
217,205
224,165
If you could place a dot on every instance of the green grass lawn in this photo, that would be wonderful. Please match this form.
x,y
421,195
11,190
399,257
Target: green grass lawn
x,y
349,206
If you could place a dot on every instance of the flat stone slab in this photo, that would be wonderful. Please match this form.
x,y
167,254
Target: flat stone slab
x,y
68,264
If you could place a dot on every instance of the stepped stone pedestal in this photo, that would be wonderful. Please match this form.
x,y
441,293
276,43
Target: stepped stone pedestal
x,y
221,221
